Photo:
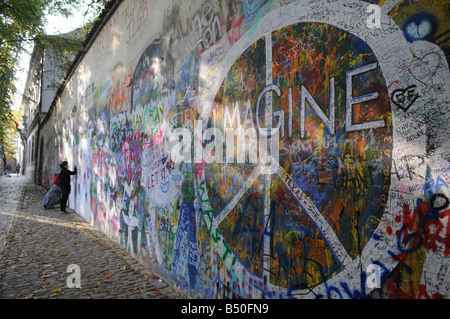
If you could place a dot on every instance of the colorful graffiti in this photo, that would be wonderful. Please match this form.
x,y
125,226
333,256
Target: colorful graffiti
x,y
349,171
321,154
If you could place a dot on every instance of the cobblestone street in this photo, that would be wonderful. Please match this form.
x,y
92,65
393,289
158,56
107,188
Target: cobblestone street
x,y
37,246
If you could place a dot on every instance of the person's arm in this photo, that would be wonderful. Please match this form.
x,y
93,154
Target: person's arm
x,y
74,172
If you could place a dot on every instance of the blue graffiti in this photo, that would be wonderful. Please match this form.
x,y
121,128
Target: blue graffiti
x,y
251,7
421,26
186,223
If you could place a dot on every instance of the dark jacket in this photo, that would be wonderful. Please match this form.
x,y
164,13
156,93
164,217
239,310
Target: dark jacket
x,y
65,179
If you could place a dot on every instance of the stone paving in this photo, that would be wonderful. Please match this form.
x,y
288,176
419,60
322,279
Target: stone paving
x,y
38,245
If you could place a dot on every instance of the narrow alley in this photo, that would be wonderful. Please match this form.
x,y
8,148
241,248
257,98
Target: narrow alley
x,y
44,254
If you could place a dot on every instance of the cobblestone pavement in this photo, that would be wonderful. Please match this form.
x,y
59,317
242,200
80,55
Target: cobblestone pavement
x,y
38,245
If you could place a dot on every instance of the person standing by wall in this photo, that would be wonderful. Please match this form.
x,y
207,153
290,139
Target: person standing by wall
x,y
65,184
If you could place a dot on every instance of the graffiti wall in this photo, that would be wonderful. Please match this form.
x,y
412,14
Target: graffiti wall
x,y
267,149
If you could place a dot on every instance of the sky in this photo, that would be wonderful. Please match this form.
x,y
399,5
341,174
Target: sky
x,y
55,25
60,24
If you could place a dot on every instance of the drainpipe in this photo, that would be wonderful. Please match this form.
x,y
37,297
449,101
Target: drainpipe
x,y
37,155
37,177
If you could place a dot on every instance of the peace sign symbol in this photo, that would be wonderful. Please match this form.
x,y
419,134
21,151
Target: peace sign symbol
x,y
304,212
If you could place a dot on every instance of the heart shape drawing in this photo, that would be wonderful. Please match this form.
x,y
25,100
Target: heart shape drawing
x,y
419,31
424,68
404,98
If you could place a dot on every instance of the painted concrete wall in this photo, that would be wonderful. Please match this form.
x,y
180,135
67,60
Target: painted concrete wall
x,y
354,202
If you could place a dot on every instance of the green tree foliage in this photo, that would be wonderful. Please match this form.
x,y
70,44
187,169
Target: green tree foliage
x,y
10,138
22,23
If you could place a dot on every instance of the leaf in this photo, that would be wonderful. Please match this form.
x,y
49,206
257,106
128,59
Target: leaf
x,y
109,275
123,268
56,289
